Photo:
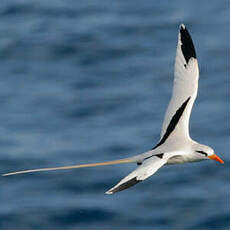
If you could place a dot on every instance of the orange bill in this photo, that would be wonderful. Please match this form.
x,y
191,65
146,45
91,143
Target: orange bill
x,y
216,158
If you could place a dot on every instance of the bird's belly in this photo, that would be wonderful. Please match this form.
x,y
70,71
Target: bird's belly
x,y
181,159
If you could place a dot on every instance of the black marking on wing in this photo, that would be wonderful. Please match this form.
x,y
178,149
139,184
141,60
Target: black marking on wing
x,y
126,185
174,121
160,155
187,46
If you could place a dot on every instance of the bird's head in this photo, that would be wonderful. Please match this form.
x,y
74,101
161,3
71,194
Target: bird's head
x,y
206,152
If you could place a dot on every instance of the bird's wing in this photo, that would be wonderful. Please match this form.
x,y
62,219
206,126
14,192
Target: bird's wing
x,y
142,172
186,75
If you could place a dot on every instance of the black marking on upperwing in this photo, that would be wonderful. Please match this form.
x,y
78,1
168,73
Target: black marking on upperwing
x,y
187,46
160,155
125,185
174,121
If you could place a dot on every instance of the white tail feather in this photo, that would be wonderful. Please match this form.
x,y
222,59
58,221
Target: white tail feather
x,y
121,161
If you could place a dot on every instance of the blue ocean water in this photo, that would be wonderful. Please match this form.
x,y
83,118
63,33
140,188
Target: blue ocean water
x,y
88,81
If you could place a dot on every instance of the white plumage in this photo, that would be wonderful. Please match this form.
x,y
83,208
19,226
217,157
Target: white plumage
x,y
175,145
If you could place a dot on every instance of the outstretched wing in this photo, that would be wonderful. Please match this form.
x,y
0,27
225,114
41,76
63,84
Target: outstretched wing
x,y
145,170
186,75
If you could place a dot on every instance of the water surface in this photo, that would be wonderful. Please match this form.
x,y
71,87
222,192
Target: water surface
x,y
87,81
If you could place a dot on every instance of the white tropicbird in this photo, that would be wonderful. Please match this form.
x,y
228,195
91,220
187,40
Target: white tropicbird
x,y
175,145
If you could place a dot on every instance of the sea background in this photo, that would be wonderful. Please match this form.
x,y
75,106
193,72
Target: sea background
x,y
88,81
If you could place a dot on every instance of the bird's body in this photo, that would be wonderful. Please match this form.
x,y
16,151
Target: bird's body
x,y
175,145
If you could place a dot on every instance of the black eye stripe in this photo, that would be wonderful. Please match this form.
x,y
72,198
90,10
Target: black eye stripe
x,y
202,152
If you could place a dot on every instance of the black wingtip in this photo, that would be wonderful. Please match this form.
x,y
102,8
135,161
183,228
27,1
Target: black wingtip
x,y
124,186
187,46
182,26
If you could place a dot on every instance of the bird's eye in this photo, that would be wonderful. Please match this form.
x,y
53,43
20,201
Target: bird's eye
x,y
202,152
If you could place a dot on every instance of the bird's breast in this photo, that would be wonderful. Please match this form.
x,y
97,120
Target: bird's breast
x,y
180,159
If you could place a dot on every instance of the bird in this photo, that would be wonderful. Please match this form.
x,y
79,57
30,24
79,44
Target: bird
x,y
175,145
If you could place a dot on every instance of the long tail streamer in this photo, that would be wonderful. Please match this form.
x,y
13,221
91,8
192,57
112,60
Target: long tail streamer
x,y
121,161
